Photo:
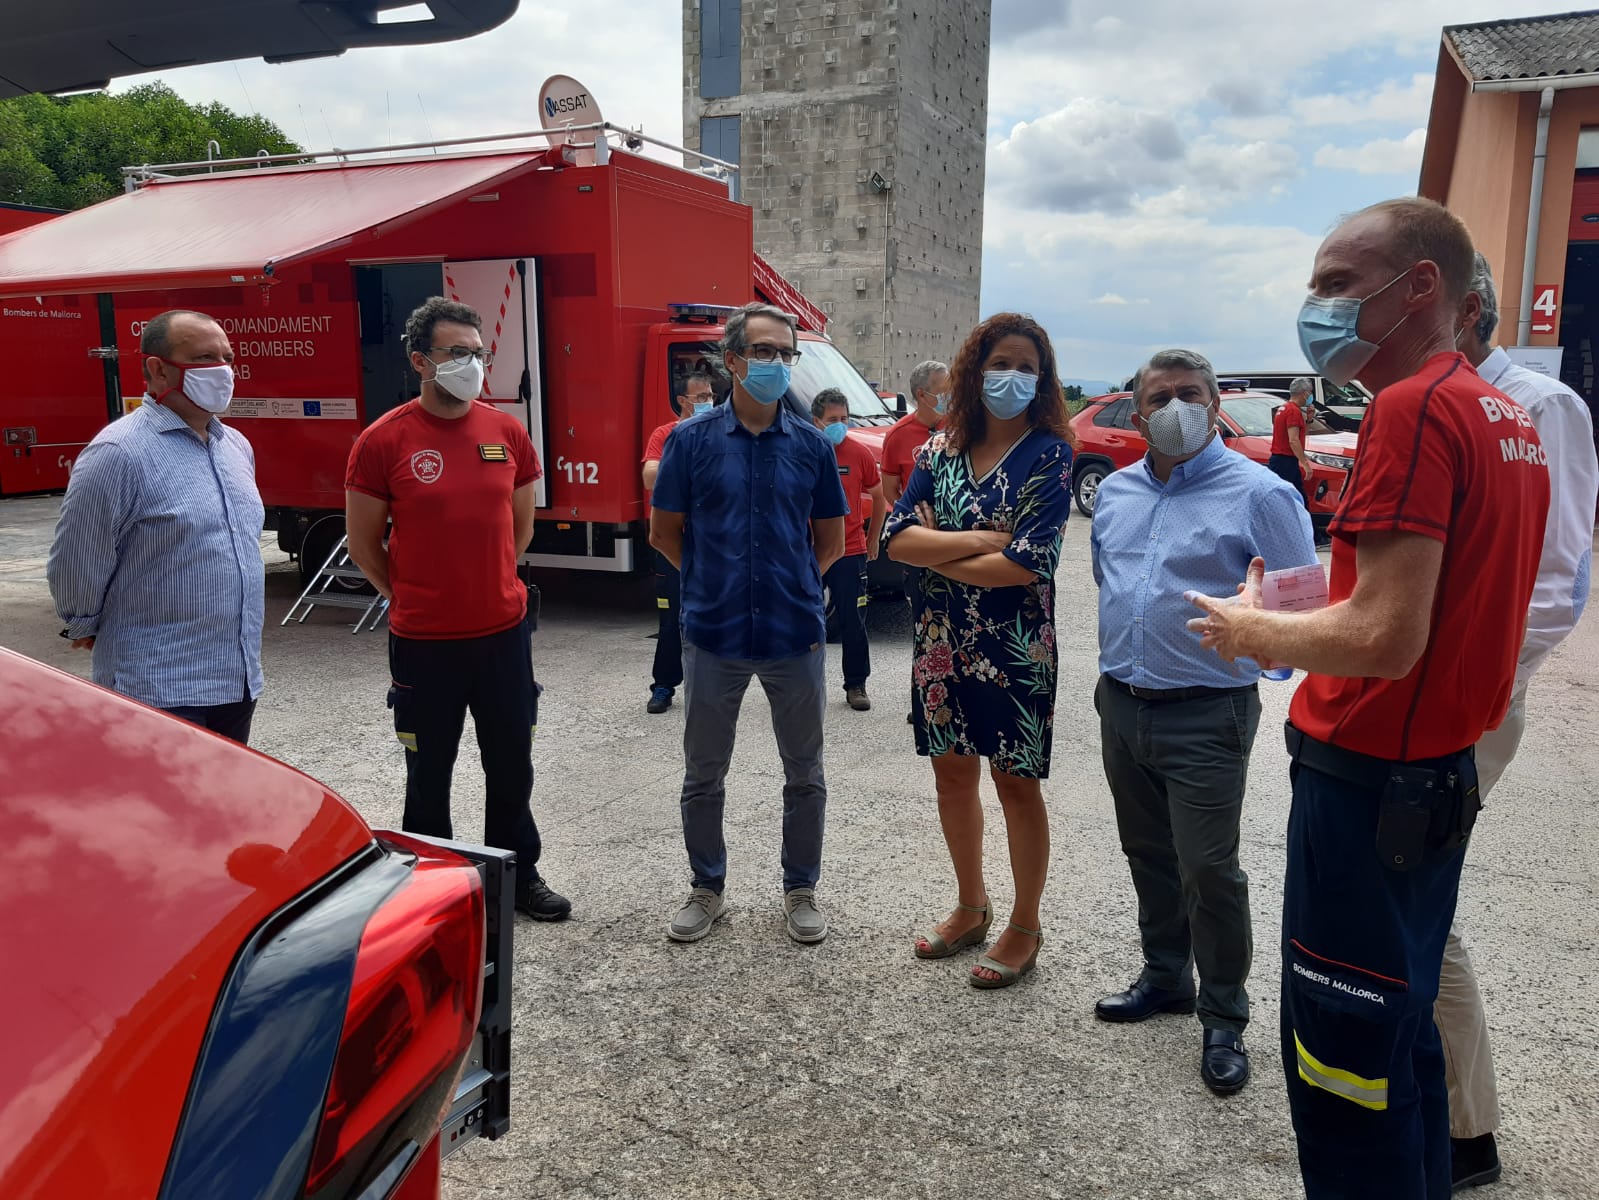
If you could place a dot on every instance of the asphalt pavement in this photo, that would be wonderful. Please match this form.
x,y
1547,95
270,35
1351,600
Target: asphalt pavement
x,y
748,1066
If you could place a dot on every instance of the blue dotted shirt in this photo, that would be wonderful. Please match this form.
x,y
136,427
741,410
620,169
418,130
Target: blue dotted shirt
x,y
1198,531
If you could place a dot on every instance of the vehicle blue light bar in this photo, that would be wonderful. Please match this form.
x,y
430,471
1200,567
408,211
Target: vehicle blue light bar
x,y
713,313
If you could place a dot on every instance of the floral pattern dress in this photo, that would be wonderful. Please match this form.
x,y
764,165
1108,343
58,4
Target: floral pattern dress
x,y
983,674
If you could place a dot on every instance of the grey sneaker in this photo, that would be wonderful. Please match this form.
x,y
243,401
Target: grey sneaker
x,y
695,918
805,921
858,699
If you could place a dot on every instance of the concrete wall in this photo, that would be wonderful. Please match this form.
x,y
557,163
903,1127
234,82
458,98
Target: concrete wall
x,y
833,92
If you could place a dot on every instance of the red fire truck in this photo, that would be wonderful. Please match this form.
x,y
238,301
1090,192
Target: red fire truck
x,y
602,277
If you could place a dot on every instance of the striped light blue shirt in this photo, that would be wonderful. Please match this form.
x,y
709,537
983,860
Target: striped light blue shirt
x,y
157,556
1198,531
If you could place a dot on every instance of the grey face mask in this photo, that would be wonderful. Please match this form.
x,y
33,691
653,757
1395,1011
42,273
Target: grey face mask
x,y
1179,428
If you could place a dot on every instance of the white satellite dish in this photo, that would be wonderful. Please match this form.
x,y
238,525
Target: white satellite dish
x,y
563,103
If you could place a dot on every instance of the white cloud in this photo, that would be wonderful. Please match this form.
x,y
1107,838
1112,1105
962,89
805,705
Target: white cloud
x,y
1112,298
1101,155
1230,291
483,85
1383,156
1395,102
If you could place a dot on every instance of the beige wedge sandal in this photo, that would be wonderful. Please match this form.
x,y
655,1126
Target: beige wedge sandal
x,y
1008,975
937,947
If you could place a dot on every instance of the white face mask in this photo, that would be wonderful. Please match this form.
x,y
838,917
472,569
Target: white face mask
x,y
463,380
1179,428
209,389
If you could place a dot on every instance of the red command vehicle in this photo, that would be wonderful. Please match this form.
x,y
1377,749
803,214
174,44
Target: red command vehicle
x,y
220,981
50,411
601,277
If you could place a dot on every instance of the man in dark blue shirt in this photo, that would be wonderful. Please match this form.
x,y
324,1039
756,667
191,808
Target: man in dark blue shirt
x,y
748,506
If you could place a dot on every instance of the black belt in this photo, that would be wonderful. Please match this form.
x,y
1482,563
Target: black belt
x,y
1362,770
1171,695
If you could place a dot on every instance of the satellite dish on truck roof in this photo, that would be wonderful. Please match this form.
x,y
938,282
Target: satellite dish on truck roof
x,y
563,103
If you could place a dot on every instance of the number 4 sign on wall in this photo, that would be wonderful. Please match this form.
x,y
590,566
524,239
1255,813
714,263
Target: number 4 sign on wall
x,y
1545,307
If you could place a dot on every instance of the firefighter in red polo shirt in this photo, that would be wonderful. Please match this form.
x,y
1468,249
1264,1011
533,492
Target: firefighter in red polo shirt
x,y
846,579
695,396
1436,548
455,476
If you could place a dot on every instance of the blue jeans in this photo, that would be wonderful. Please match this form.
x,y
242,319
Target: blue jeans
x,y
713,691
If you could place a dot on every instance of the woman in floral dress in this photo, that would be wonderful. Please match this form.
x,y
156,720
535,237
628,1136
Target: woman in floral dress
x,y
983,512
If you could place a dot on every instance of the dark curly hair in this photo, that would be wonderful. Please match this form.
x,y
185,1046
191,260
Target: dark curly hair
x,y
419,325
967,418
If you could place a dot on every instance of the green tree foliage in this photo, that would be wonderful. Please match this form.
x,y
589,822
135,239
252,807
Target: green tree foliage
x,y
1074,398
67,152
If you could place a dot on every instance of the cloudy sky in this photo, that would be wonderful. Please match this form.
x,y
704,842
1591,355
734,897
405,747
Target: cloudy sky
x,y
1159,171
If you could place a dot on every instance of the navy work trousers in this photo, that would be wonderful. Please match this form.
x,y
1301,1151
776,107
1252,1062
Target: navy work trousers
x,y
1286,468
435,684
1362,948
668,670
846,583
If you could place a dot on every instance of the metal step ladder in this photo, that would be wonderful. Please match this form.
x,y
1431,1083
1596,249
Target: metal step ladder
x,y
338,566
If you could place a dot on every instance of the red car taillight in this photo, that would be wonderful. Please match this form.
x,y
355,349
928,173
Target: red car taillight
x,y
412,1016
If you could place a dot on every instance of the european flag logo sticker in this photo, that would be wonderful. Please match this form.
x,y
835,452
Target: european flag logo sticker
x,y
313,408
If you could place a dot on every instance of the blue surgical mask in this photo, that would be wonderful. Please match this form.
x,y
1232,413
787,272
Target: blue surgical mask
x,y
767,381
941,403
1008,393
703,406
836,432
1328,333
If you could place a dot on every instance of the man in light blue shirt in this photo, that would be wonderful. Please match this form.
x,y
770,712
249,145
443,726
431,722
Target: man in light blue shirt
x,y
156,564
1176,722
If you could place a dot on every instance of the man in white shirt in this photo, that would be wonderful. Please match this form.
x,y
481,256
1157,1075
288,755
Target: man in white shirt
x,y
1559,596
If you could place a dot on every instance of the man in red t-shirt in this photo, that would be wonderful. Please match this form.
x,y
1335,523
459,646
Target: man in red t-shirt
x,y
846,579
929,392
1288,459
693,398
930,386
455,476
1437,543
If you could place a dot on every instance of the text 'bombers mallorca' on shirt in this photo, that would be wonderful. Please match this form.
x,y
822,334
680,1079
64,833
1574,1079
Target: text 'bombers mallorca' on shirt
x,y
1444,455
448,484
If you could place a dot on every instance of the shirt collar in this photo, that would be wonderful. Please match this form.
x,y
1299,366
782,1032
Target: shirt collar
x,y
1194,467
164,420
1494,366
731,424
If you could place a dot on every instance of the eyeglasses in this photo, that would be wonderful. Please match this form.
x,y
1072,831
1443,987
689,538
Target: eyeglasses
x,y
462,354
768,354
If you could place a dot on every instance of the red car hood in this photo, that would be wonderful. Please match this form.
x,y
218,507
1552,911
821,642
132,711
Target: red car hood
x,y
141,853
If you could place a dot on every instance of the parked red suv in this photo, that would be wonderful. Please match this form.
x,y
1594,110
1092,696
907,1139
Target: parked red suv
x,y
1107,442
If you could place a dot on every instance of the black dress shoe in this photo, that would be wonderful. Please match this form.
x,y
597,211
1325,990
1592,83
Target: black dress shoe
x,y
1224,1063
1473,1161
1142,1001
537,901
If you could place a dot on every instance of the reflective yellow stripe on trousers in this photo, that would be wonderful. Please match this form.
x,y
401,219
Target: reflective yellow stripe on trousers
x,y
1368,1093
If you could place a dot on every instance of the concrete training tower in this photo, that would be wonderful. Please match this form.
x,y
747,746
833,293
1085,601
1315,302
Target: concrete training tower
x,y
859,127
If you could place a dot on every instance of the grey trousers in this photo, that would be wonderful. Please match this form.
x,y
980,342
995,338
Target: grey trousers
x,y
713,691
1458,1013
1177,772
